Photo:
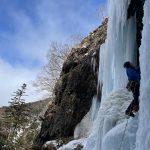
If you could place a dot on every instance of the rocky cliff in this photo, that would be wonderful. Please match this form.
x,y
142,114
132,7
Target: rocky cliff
x,y
74,90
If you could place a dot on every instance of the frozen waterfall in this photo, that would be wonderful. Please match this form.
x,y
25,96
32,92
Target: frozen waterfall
x,y
119,47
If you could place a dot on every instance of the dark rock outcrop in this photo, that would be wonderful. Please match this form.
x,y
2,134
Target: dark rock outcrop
x,y
74,90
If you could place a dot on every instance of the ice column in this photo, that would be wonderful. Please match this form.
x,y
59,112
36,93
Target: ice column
x,y
143,134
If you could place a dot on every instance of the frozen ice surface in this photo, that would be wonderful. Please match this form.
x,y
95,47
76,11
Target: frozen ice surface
x,y
110,113
143,134
121,137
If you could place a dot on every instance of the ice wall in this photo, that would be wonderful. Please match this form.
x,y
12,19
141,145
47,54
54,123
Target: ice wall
x,y
143,134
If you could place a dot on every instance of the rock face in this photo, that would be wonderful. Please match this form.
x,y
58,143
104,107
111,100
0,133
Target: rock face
x,y
74,90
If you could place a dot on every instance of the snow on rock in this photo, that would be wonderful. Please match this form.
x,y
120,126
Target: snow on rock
x,y
72,145
52,144
121,137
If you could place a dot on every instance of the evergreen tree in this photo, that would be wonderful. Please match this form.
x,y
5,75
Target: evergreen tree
x,y
17,112
16,118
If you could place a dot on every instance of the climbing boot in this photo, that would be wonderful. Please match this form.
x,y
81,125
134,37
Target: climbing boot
x,y
129,113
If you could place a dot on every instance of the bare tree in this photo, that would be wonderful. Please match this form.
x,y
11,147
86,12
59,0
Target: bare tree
x,y
50,73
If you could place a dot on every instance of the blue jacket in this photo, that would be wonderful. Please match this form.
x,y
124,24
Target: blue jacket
x,y
133,74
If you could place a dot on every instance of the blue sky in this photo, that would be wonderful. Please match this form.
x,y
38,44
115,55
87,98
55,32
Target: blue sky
x,y
26,29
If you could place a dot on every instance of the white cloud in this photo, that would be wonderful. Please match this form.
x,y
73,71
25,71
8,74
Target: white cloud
x,y
11,78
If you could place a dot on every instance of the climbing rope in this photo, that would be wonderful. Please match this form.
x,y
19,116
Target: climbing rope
x,y
124,132
123,135
132,87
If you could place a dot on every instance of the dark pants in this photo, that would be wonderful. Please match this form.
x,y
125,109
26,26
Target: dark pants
x,y
134,87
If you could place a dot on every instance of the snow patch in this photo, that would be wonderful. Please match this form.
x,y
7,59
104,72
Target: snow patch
x,y
72,145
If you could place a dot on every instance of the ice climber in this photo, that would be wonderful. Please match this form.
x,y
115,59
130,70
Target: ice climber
x,y
133,85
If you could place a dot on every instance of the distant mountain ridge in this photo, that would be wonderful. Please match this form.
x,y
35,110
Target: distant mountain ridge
x,y
34,107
